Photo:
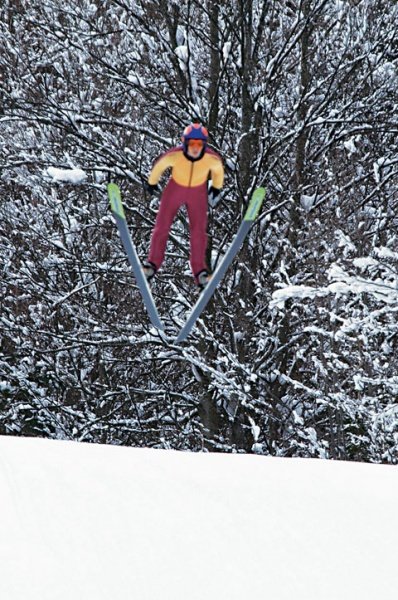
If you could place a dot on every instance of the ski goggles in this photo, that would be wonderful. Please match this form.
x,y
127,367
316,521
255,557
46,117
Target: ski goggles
x,y
195,144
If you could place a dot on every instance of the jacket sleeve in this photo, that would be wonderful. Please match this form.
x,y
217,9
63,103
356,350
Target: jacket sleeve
x,y
217,174
164,162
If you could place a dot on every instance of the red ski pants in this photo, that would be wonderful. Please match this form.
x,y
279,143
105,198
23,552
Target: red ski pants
x,y
173,197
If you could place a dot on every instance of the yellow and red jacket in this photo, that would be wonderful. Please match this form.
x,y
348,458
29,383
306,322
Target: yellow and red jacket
x,y
189,173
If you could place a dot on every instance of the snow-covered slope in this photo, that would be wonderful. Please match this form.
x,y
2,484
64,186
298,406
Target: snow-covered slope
x,y
92,522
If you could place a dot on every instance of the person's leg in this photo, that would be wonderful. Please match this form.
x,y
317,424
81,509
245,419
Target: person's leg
x,y
197,214
170,202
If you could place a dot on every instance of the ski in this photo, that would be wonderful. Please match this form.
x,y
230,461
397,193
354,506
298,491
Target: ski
x,y
250,216
120,218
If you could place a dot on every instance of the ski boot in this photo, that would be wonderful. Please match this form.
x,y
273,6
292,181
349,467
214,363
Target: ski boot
x,y
149,270
202,279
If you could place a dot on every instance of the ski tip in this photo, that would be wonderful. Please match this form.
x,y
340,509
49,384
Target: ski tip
x,y
255,204
113,189
115,199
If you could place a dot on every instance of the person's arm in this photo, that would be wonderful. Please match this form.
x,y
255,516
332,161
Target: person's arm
x,y
217,178
217,175
164,162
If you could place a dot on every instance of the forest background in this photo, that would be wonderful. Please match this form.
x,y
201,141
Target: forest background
x,y
297,354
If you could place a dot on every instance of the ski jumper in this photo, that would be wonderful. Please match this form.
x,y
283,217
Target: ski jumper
x,y
187,186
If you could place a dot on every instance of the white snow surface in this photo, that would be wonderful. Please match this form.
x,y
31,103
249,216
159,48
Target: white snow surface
x,y
81,521
385,291
66,175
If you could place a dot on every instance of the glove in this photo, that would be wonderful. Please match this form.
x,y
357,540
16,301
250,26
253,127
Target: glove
x,y
151,189
213,193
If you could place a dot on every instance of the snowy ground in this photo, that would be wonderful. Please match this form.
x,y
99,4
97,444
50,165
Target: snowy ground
x,y
80,521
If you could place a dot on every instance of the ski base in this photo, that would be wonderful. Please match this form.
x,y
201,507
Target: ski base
x,y
250,216
120,218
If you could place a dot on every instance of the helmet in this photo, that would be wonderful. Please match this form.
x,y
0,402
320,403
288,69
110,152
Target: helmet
x,y
195,131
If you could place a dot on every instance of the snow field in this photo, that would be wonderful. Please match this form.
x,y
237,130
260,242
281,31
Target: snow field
x,y
82,521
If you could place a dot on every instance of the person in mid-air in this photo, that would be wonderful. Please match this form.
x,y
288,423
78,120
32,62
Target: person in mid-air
x,y
192,165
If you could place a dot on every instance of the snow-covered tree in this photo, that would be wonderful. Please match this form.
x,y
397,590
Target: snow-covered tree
x,y
299,96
